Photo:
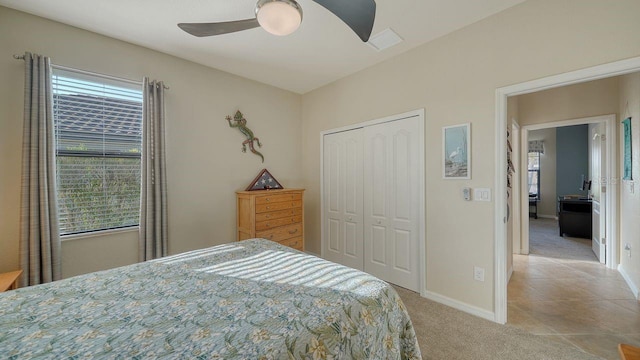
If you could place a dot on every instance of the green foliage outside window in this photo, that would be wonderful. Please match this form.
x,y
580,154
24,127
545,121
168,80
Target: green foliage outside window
x,y
98,193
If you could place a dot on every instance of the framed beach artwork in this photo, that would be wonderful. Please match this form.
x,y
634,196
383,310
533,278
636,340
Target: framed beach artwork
x,y
456,152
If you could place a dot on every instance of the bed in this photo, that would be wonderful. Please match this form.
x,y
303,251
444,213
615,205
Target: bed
x,y
253,299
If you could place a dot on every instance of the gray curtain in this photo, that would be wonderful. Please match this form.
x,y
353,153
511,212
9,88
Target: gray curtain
x,y
153,239
39,232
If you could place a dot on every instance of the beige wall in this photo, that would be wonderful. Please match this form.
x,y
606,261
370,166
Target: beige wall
x,y
547,204
204,161
630,200
587,99
455,79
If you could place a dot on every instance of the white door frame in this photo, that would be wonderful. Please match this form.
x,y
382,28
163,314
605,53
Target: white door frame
x,y
500,227
611,203
420,113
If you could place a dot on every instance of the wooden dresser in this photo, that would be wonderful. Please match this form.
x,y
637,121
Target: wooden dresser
x,y
276,215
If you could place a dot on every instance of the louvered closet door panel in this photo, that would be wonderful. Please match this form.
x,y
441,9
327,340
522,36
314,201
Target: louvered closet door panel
x,y
343,198
391,201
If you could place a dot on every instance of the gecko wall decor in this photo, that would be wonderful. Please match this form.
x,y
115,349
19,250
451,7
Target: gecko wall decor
x,y
240,122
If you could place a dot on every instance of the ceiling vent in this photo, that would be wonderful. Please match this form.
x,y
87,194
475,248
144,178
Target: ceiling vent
x,y
384,40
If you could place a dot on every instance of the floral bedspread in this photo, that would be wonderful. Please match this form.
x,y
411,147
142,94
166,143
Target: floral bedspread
x,y
253,299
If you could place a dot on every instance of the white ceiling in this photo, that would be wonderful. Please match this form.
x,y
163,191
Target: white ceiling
x,y
322,50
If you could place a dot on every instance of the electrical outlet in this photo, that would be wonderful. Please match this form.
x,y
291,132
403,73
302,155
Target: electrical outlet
x,y
478,273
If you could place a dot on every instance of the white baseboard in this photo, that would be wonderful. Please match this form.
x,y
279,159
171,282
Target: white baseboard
x,y
470,309
627,278
548,216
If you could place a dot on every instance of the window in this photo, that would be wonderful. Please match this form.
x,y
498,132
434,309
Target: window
x,y
98,132
534,174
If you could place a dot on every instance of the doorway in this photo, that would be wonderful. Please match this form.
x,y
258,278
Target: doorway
x,y
500,221
602,194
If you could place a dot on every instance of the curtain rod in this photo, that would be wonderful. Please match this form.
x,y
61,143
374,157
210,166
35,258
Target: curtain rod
x,y
60,67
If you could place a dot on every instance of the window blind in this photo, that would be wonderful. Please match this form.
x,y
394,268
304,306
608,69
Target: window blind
x,y
98,131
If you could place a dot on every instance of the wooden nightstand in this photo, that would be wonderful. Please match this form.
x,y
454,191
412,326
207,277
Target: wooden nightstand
x,y
628,352
9,281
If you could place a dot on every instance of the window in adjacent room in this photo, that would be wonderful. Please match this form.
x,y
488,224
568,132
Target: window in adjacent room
x,y
534,175
98,132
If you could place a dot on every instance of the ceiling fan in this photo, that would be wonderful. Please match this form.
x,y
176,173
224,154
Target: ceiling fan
x,y
282,17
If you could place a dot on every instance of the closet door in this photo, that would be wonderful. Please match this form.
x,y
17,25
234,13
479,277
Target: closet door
x,y
343,220
392,201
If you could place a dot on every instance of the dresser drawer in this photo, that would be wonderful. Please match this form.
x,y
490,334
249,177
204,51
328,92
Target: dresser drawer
x,y
295,243
269,199
278,214
281,233
274,223
278,206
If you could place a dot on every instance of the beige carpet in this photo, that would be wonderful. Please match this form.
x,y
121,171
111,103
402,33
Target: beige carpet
x,y
545,241
446,333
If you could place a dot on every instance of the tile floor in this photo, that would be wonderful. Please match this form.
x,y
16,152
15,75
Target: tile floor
x,y
561,292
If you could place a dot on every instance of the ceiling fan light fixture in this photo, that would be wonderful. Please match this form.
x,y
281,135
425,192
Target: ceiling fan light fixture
x,y
279,17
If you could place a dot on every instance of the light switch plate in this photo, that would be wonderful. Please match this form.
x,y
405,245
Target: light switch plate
x,y
482,194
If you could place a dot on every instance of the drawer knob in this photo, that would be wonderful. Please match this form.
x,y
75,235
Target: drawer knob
x,y
268,225
379,222
268,208
267,199
293,231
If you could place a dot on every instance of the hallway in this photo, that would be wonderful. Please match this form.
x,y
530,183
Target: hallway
x,y
561,292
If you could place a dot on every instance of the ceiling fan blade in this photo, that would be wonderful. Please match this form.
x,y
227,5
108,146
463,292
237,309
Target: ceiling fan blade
x,y
219,28
357,14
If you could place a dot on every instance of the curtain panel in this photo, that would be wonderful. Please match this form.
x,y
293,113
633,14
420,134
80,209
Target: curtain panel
x,y
39,230
153,237
536,146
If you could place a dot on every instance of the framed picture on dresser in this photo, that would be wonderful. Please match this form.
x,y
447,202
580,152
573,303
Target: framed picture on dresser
x,y
264,181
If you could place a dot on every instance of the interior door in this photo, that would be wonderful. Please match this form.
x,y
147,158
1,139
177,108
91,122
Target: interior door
x,y
598,190
343,204
392,201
